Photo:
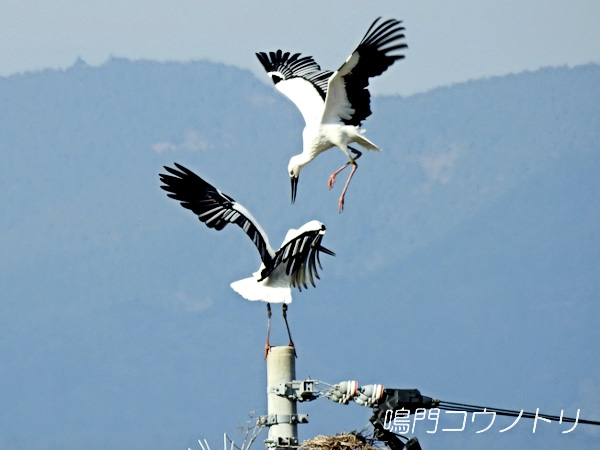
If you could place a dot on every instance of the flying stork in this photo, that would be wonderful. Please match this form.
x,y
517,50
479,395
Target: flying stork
x,y
293,265
334,104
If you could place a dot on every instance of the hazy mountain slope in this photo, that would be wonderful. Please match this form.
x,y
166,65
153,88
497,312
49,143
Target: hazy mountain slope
x,y
467,257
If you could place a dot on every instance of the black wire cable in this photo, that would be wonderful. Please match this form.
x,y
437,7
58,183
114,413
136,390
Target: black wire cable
x,y
452,406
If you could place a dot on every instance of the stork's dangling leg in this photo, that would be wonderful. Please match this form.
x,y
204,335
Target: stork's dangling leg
x,y
357,154
267,345
291,344
334,174
341,200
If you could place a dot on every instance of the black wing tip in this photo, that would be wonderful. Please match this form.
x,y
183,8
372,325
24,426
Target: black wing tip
x,y
182,182
182,171
326,251
391,22
388,31
290,65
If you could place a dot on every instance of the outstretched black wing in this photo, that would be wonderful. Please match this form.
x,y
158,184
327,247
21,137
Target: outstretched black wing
x,y
375,46
213,207
371,58
301,256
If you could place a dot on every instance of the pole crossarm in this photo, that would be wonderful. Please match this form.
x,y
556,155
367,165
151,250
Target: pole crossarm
x,y
343,392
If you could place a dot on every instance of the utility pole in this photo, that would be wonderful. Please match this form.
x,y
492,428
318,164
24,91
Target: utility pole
x,y
282,418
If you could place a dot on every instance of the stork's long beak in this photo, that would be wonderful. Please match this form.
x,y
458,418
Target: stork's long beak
x,y
294,181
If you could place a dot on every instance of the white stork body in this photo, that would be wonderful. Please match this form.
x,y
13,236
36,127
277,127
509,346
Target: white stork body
x,y
293,265
334,104
276,288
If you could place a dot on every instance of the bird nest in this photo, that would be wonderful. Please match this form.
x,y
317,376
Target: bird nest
x,y
341,441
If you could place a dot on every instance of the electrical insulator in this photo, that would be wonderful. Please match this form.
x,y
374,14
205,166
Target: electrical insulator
x,y
369,395
342,392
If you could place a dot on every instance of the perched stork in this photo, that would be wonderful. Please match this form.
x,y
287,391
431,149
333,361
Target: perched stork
x,y
334,104
293,265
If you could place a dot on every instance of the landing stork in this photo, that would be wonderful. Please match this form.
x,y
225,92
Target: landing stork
x,y
334,104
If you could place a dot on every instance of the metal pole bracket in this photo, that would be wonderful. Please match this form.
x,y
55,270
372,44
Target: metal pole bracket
x,y
281,442
299,390
275,419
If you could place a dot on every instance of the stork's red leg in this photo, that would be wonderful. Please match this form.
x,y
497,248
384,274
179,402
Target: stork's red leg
x,y
291,344
357,154
334,174
267,345
341,201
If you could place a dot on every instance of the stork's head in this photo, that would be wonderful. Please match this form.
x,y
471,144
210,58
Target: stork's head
x,y
294,168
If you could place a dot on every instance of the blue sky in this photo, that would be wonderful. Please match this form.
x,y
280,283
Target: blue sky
x,y
449,41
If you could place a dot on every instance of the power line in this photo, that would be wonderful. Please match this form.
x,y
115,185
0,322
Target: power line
x,y
453,406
